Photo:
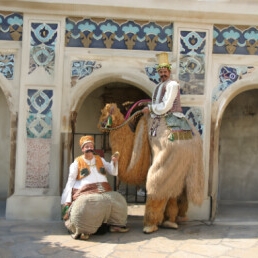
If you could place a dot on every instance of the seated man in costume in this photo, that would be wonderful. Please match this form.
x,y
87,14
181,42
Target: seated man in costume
x,y
88,201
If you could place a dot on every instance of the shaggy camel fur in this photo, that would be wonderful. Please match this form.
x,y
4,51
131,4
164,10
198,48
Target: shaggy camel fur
x,y
175,177
135,157
177,170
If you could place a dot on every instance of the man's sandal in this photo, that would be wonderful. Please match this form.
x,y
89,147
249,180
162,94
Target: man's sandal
x,y
116,229
81,236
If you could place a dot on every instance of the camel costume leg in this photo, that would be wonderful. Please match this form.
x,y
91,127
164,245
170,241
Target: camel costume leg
x,y
176,210
171,213
182,203
154,214
160,212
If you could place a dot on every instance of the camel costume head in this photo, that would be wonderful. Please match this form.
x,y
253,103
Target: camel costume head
x,y
110,117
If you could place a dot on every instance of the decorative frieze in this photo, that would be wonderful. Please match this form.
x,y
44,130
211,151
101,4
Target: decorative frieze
x,y
117,34
235,39
11,26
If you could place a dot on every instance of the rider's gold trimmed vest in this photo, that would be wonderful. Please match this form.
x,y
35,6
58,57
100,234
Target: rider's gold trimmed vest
x,y
84,168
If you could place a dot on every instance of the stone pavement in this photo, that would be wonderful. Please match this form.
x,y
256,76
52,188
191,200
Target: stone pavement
x,y
34,239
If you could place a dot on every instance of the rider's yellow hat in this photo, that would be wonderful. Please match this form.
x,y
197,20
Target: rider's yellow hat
x,y
163,61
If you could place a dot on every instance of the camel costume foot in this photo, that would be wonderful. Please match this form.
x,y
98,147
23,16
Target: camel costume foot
x,y
169,224
150,229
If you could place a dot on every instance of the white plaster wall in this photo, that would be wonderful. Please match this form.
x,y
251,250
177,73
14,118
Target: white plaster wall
x,y
89,114
203,11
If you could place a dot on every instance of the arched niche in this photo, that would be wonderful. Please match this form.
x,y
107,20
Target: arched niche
x,y
86,100
217,112
8,132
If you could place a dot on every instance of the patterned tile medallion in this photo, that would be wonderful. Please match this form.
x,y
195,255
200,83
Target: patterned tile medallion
x,y
39,133
42,47
39,118
192,62
229,75
7,66
195,116
81,69
152,73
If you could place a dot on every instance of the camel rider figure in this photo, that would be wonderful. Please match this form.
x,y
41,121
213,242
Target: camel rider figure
x,y
166,103
88,200
167,127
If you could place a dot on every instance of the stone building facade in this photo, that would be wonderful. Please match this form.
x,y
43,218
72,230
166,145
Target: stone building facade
x,y
60,62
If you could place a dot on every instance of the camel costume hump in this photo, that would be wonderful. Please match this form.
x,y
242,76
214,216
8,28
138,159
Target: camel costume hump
x,y
178,164
134,160
141,154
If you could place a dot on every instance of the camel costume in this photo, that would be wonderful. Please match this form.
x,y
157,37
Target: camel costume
x,y
165,152
93,203
176,174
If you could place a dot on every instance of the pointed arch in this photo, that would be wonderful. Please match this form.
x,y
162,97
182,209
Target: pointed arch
x,y
8,91
103,76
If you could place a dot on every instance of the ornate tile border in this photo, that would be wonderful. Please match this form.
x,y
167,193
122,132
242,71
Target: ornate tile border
x,y
11,26
232,39
116,34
